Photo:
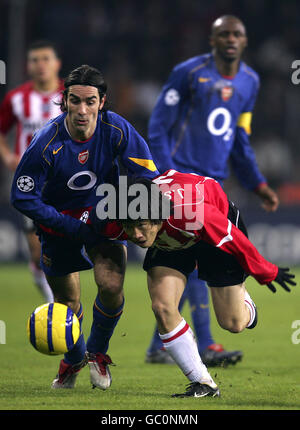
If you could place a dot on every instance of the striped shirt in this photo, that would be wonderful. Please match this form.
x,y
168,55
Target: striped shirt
x,y
29,110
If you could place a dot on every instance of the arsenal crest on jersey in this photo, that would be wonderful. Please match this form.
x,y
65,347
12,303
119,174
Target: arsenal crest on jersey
x,y
226,93
83,156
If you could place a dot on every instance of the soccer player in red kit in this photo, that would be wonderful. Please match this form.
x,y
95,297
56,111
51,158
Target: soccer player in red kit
x,y
29,107
202,123
205,230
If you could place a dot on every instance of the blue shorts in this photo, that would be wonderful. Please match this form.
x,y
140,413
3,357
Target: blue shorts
x,y
61,256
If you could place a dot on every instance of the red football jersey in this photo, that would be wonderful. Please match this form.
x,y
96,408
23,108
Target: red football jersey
x,y
200,213
29,110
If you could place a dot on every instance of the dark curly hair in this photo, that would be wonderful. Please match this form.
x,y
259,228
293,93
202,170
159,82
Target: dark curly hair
x,y
84,75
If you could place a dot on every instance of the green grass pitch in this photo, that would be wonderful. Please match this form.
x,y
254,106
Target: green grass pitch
x,y
267,378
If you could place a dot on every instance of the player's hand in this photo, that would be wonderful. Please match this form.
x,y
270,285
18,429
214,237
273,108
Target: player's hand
x,y
270,200
283,278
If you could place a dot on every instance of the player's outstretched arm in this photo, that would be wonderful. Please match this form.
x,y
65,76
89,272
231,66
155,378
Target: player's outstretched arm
x,y
26,193
283,278
220,232
236,243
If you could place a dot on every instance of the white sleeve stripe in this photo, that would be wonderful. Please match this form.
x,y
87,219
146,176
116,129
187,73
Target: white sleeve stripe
x,y
227,238
237,218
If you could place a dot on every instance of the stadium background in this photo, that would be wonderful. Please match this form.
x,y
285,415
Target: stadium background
x,y
136,43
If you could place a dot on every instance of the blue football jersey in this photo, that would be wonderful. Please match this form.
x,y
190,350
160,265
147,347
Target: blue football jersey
x,y
202,120
58,176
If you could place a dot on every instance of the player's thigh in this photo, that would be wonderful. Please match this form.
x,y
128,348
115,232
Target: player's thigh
x,y
34,246
229,304
33,241
109,261
166,286
66,289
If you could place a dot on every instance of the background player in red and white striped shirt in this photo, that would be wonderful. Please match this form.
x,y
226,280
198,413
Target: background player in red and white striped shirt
x,y
28,107
208,233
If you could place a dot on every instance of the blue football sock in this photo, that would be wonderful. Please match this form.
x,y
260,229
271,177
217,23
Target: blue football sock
x,y
104,323
198,296
77,352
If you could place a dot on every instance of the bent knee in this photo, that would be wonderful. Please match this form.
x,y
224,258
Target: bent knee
x,y
110,288
109,282
74,303
233,325
111,292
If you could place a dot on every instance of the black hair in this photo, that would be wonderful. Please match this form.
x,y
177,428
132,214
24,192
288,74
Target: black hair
x,y
84,75
43,43
157,208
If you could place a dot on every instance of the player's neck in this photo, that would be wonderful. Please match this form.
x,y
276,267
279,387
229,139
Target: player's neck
x,y
46,87
227,68
79,135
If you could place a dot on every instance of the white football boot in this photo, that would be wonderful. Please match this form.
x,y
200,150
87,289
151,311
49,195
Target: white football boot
x,y
99,371
67,374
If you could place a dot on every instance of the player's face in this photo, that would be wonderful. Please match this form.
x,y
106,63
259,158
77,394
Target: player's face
x,y
229,39
43,65
83,104
142,233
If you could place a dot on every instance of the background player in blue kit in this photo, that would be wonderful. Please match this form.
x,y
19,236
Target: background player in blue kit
x,y
202,120
55,185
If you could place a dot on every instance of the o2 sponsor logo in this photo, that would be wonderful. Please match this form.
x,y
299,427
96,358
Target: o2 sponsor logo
x,y
73,182
218,123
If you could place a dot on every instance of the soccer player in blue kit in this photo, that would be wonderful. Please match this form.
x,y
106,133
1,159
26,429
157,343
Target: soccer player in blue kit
x,y
201,121
55,185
